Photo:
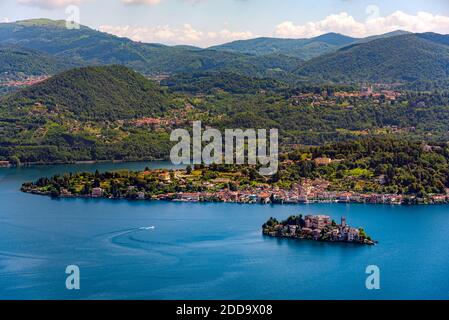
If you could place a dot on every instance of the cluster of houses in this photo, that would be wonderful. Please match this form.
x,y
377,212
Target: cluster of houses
x,y
317,227
308,191
5,164
28,81
263,196
173,118
219,190
156,122
325,98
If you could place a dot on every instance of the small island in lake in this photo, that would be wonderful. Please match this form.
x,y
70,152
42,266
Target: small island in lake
x,y
316,227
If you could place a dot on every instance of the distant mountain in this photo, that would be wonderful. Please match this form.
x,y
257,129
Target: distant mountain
x,y
434,37
15,61
403,58
395,56
385,35
299,48
90,47
335,39
111,92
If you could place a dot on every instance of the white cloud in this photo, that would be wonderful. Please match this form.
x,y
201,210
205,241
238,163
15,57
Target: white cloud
x,y
342,23
346,24
150,2
186,34
4,20
155,2
49,4
421,22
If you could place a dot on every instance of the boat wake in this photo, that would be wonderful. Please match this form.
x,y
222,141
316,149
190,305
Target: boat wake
x,y
147,228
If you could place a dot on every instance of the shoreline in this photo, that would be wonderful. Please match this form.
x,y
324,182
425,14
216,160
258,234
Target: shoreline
x,y
355,243
214,184
321,228
48,194
31,164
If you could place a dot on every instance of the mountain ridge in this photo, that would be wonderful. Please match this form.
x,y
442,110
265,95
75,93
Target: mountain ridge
x,y
330,57
90,47
407,58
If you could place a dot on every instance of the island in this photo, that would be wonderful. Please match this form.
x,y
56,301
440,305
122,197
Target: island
x,y
316,227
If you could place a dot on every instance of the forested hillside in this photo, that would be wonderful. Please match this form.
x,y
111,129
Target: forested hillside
x,y
112,92
404,58
90,47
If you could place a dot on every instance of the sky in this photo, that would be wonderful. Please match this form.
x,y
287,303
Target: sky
x,y
209,22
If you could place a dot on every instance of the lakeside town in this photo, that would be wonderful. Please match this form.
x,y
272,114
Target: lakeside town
x,y
316,227
272,195
201,185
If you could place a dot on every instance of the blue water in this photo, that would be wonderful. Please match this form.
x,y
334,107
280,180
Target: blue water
x,y
208,251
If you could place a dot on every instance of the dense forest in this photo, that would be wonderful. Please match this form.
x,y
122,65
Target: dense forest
x,y
112,112
404,58
331,58
210,82
93,113
16,61
90,47
112,92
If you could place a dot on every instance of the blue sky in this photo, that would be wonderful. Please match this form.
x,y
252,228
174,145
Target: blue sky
x,y
208,22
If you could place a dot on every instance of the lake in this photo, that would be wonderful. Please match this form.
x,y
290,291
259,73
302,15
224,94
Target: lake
x,y
208,251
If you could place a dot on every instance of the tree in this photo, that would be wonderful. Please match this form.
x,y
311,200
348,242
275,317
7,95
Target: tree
x,y
96,183
15,161
86,189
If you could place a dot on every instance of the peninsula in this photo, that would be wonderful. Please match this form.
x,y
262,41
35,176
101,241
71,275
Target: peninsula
x,y
316,227
219,183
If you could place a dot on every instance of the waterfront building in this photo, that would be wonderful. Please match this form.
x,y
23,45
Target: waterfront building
x,y
343,222
353,234
5,164
97,192
344,197
316,233
317,221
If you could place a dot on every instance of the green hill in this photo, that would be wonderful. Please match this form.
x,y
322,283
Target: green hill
x,y
90,47
392,57
209,82
403,58
83,114
111,92
16,60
